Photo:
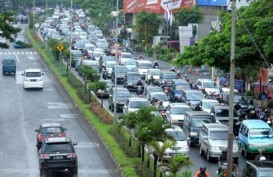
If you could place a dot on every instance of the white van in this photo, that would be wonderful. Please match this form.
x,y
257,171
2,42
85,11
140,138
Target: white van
x,y
33,78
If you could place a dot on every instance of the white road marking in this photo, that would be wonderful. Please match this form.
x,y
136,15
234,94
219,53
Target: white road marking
x,y
17,58
87,145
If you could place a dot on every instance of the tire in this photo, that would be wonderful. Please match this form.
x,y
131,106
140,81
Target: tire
x,y
208,156
246,154
74,173
201,152
189,142
43,173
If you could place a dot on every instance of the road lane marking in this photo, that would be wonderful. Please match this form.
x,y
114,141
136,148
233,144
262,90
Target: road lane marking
x,y
86,145
58,105
68,116
17,58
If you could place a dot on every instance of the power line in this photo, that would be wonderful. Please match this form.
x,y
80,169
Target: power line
x,y
252,39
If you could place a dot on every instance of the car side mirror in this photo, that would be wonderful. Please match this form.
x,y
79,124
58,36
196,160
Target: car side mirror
x,y
74,143
36,130
211,114
125,107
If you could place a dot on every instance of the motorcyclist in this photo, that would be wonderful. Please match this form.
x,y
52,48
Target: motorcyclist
x,y
202,172
222,160
140,57
260,156
172,69
154,101
186,77
264,115
155,65
139,83
178,75
252,115
223,172
237,106
160,106
151,80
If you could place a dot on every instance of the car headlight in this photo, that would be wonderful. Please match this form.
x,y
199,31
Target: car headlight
x,y
193,134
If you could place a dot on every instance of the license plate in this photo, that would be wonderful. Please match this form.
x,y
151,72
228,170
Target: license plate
x,y
58,157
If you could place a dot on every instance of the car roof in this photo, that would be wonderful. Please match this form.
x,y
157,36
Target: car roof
x,y
255,124
57,140
181,81
174,128
193,91
168,72
137,99
205,80
209,100
144,61
261,164
221,107
33,70
182,105
216,126
51,125
121,89
132,72
157,93
198,113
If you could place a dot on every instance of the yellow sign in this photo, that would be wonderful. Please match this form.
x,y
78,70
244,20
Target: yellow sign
x,y
60,47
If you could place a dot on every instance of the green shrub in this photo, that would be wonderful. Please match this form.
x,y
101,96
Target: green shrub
x,y
74,81
150,51
84,95
142,170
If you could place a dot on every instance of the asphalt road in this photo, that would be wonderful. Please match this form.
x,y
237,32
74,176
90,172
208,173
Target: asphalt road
x,y
22,111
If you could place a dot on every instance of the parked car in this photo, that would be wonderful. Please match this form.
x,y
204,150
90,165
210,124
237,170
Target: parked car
x,y
193,122
118,98
57,154
213,138
9,65
176,113
49,130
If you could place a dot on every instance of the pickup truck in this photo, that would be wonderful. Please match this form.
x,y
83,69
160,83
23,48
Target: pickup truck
x,y
9,66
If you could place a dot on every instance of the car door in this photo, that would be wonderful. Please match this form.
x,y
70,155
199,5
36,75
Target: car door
x,y
110,96
186,126
126,107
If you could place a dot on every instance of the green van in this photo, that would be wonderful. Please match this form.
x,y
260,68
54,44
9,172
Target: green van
x,y
9,66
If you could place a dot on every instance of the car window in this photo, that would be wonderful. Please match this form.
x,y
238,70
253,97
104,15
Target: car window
x,y
9,62
58,148
33,74
224,113
200,122
133,76
177,135
50,130
145,65
208,105
258,132
169,76
209,84
138,104
195,96
218,135
179,110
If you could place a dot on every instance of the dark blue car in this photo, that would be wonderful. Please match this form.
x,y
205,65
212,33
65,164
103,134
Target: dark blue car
x,y
177,88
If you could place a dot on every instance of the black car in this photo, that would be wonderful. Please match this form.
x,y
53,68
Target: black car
x,y
193,122
24,19
76,56
121,72
193,98
131,79
56,155
122,95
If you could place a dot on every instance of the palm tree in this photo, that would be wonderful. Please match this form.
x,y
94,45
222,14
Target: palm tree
x,y
175,164
159,150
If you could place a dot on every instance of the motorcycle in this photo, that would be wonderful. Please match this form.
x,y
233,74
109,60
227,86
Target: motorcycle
x,y
139,90
223,165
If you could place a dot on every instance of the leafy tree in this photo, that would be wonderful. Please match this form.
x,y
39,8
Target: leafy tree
x,y
89,73
6,18
214,49
97,85
147,25
189,15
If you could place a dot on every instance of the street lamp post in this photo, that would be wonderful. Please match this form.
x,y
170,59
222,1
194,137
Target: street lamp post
x,y
115,105
71,21
33,15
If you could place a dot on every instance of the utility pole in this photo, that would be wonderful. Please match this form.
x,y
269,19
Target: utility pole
x,y
33,17
71,25
231,100
116,54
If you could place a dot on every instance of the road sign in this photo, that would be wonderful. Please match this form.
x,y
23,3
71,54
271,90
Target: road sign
x,y
60,47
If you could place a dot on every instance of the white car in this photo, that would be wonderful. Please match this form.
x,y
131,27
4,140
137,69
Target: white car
x,y
155,73
143,67
180,146
125,56
3,40
160,96
133,104
207,104
109,67
131,65
176,113
33,78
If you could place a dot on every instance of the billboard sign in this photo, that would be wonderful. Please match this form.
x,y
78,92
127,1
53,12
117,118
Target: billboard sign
x,y
157,6
211,3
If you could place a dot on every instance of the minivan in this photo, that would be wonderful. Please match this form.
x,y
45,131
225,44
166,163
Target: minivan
x,y
9,66
33,78
255,135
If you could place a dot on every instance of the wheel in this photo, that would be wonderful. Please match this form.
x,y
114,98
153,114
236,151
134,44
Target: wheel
x,y
109,106
201,152
74,173
189,142
208,156
112,108
246,154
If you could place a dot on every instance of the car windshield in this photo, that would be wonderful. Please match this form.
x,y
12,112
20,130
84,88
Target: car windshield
x,y
265,173
209,104
97,54
177,135
145,65
210,85
154,72
260,132
224,113
58,148
9,62
110,65
179,110
121,70
218,135
169,76
139,104
33,74
182,87
154,89
195,96
127,56
133,77
77,54
199,122
123,94
51,130
130,62
161,97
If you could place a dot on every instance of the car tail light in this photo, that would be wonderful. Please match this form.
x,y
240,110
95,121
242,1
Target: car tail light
x,y
44,156
62,135
40,137
71,155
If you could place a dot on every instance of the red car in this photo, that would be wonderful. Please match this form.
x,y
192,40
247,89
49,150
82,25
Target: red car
x,y
49,130
113,51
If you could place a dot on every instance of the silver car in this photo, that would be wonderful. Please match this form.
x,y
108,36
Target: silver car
x,y
213,138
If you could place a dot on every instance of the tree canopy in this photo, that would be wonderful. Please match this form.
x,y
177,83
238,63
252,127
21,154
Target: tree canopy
x,y
255,21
